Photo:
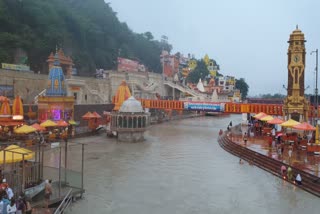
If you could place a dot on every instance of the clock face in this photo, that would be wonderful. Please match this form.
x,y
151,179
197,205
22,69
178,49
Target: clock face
x,y
296,58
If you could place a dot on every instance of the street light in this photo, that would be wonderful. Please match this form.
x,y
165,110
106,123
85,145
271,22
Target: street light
x,y
316,89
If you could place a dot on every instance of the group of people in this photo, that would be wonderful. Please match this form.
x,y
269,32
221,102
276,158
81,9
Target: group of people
x,y
9,204
289,173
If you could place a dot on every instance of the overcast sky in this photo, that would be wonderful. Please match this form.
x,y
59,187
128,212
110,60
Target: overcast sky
x,y
247,38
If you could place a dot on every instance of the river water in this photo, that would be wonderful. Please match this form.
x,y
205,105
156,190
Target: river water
x,y
181,168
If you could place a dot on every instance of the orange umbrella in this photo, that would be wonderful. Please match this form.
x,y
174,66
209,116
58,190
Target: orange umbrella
x,y
96,115
304,126
88,116
38,127
62,123
275,121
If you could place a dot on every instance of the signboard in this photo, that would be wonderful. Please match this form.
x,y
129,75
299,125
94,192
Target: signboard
x,y
127,65
15,67
204,106
7,91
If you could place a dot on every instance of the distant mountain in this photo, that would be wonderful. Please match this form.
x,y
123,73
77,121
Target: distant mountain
x,y
87,30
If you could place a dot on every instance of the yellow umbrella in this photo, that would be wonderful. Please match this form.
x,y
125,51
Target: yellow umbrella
x,y
289,123
48,123
14,153
267,118
260,115
72,122
25,129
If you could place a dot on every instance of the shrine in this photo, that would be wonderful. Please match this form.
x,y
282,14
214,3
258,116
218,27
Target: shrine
x,y
130,121
55,105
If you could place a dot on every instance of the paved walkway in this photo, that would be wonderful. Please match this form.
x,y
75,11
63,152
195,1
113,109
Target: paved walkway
x,y
300,159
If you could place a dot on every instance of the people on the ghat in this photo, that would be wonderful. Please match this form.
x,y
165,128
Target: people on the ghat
x,y
289,173
230,124
241,161
299,179
245,138
283,170
47,192
11,208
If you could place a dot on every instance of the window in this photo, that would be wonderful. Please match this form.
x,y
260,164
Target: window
x,y
85,97
75,96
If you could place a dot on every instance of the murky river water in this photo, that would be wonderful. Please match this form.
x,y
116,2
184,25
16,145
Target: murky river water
x,y
180,168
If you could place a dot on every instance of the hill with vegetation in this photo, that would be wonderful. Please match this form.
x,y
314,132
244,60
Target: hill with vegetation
x,y
87,30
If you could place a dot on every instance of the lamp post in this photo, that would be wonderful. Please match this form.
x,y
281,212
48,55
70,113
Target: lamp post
x,y
316,89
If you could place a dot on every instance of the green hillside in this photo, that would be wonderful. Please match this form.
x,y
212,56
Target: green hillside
x,y
87,30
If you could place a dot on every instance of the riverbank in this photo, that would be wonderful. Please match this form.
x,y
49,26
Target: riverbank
x,y
258,152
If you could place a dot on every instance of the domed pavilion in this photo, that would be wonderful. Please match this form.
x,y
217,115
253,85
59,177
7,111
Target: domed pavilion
x,y
130,122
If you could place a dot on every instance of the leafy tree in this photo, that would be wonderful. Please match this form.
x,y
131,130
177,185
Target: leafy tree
x,y
88,30
243,87
200,72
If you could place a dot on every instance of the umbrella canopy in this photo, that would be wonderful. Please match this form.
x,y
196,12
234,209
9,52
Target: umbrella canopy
x,y
62,123
266,118
96,115
304,126
48,123
38,127
260,115
289,123
275,121
88,116
25,129
14,153
72,122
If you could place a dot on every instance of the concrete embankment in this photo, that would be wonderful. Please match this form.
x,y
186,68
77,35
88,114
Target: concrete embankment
x,y
310,182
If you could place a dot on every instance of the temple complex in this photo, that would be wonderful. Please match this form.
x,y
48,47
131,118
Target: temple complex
x,y
296,106
55,105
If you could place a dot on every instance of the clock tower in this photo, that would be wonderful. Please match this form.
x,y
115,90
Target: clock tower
x,y
296,105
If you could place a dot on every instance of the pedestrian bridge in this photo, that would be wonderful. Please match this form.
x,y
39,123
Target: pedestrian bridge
x,y
227,107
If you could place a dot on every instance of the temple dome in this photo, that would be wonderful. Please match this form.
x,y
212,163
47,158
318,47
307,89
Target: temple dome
x,y
131,105
56,79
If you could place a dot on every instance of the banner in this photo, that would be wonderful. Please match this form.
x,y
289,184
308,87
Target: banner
x,y
6,90
204,106
127,65
15,67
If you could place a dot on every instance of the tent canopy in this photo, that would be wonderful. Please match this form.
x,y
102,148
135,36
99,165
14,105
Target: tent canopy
x,y
25,129
289,123
266,118
14,153
260,115
48,123
275,121
88,116
38,127
304,126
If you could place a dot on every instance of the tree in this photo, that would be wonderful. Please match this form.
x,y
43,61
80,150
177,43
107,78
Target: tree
x,y
243,87
200,72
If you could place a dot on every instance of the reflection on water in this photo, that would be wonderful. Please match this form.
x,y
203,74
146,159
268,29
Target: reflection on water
x,y
180,168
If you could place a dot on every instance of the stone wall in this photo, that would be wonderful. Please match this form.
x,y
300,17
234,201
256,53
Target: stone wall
x,y
87,90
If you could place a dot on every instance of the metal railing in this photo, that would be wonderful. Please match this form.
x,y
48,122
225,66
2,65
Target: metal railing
x,y
65,203
42,93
